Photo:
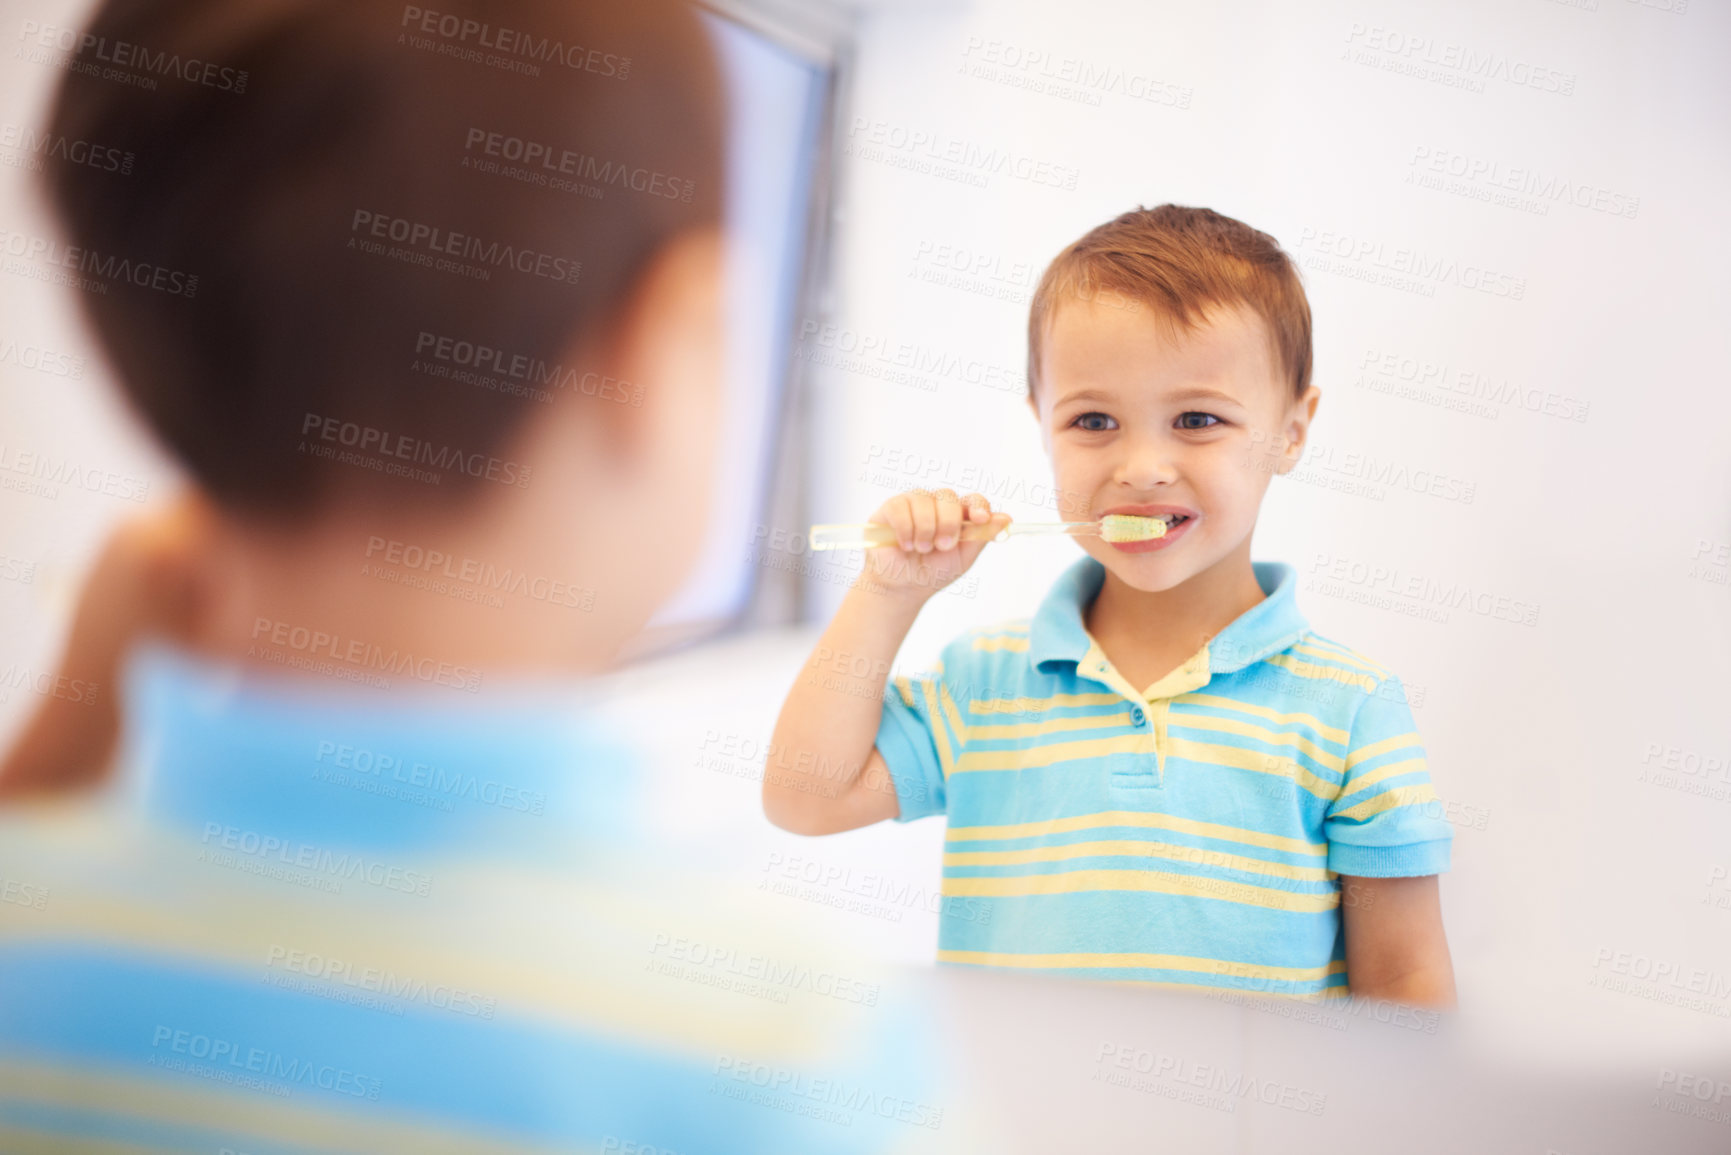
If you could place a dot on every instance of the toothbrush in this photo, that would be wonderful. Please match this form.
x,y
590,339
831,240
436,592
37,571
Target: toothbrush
x,y
1114,527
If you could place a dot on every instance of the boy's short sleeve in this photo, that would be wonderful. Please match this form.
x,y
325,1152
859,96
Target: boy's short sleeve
x,y
920,736
1387,821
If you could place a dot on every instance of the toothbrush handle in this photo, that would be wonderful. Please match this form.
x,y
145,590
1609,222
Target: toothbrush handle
x,y
867,535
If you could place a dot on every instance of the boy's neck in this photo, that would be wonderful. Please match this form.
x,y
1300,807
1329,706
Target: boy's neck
x,y
1162,628
325,579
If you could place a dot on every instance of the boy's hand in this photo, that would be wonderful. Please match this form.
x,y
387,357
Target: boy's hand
x,y
929,554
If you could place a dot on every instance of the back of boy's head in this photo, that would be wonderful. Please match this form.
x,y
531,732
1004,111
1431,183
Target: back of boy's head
x,y
1179,261
353,180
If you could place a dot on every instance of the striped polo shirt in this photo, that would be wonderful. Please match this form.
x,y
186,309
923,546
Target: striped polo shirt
x,y
1189,833
342,925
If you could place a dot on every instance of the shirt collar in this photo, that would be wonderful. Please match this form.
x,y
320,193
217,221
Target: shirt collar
x,y
1058,634
215,751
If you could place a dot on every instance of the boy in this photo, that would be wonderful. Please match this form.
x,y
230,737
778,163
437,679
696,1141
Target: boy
x,y
373,891
1164,776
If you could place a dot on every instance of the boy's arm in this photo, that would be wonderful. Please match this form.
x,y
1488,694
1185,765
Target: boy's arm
x,y
830,720
141,583
1388,843
825,774
1395,947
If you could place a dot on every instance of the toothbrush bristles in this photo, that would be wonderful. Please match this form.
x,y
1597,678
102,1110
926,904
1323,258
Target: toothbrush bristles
x,y
1126,527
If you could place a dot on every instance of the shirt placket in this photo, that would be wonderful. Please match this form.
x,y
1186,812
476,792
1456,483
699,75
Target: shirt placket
x,y
1150,708
1096,667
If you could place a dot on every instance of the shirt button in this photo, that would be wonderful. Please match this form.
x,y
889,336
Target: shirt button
x,y
1137,716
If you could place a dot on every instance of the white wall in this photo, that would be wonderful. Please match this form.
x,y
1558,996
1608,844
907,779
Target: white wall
x,y
1269,113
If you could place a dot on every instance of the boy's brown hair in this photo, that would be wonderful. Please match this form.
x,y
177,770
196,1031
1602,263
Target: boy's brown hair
x,y
358,184
1178,261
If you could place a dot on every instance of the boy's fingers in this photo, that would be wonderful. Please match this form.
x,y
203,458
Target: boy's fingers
x,y
900,518
949,510
924,520
925,514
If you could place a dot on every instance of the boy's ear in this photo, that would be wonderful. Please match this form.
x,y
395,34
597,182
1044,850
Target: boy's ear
x,y
1299,415
663,337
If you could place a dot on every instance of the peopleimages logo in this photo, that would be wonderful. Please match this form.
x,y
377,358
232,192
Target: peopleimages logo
x,y
1662,980
51,146
1545,187
88,51
1368,258
762,969
25,894
335,865
47,683
1118,1065
1068,77
1458,65
430,241
261,1061
547,159
461,32
41,360
828,1099
485,359
935,153
367,439
374,980
436,779
64,471
313,643
106,269
472,571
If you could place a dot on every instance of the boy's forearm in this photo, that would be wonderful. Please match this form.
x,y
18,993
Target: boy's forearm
x,y
1395,945
828,725
1431,986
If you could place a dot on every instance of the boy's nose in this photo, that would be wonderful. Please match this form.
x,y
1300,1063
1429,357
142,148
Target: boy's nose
x,y
1147,462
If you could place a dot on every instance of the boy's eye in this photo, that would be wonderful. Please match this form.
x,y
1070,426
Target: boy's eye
x,y
1091,422
1197,420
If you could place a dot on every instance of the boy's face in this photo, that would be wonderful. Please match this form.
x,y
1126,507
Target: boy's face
x,y
1137,421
